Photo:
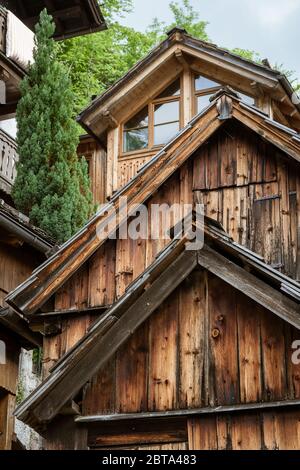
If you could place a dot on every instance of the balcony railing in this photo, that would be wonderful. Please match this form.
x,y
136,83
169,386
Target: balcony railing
x,y
2,30
8,160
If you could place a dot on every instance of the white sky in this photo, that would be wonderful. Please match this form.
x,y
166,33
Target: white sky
x,y
270,27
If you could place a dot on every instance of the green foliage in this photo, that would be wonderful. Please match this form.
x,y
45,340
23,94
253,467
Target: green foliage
x,y
37,358
52,186
20,395
111,8
290,74
186,17
96,61
247,54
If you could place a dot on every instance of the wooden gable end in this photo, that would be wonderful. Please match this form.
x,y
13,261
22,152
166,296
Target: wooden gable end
x,y
211,358
201,348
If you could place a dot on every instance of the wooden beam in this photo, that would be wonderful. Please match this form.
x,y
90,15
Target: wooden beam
x,y
260,406
18,325
250,285
36,318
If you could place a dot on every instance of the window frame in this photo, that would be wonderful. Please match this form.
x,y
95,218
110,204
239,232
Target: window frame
x,y
151,108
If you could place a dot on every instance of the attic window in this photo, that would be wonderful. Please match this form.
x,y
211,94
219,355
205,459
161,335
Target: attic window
x,y
136,132
205,88
157,123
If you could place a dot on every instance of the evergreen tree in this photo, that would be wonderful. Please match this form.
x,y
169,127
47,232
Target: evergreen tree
x,y
52,185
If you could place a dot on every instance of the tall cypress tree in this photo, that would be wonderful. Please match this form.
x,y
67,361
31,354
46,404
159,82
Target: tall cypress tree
x,y
52,185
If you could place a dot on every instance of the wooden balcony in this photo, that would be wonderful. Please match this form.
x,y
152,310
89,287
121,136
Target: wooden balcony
x,y
8,160
2,29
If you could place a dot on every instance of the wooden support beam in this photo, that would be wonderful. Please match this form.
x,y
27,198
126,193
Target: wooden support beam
x,y
250,285
186,413
18,325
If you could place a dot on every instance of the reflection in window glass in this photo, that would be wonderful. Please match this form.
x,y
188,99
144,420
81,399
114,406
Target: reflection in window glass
x,y
172,90
164,132
203,83
139,120
166,122
136,132
247,99
135,139
166,112
203,102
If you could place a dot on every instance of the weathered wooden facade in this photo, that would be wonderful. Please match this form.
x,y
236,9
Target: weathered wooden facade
x,y
148,344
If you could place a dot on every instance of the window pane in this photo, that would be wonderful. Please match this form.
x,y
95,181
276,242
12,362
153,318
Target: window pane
x,y
135,139
166,112
163,133
203,102
247,99
202,83
172,90
139,120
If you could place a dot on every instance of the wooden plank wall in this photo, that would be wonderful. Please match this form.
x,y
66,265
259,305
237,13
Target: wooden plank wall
x,y
269,430
17,263
254,192
207,345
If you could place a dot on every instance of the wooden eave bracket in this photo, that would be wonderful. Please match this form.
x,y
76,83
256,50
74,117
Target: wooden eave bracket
x,y
182,59
109,118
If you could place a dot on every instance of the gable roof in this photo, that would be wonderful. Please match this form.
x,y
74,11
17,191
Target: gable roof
x,y
162,65
51,275
220,256
72,18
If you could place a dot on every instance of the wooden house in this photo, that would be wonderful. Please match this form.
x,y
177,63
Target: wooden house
x,y
148,344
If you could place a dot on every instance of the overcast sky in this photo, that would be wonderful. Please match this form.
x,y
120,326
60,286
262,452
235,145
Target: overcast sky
x,y
270,27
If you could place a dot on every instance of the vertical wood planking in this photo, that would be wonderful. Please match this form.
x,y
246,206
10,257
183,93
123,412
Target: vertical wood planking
x,y
246,432
99,395
192,309
131,373
102,275
224,385
163,356
249,350
273,356
202,433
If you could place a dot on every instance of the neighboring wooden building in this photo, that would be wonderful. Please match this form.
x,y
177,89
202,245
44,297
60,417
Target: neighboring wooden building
x,y
72,17
149,345
22,248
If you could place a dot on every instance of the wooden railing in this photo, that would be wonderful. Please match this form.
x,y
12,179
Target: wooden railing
x,y
8,160
2,30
